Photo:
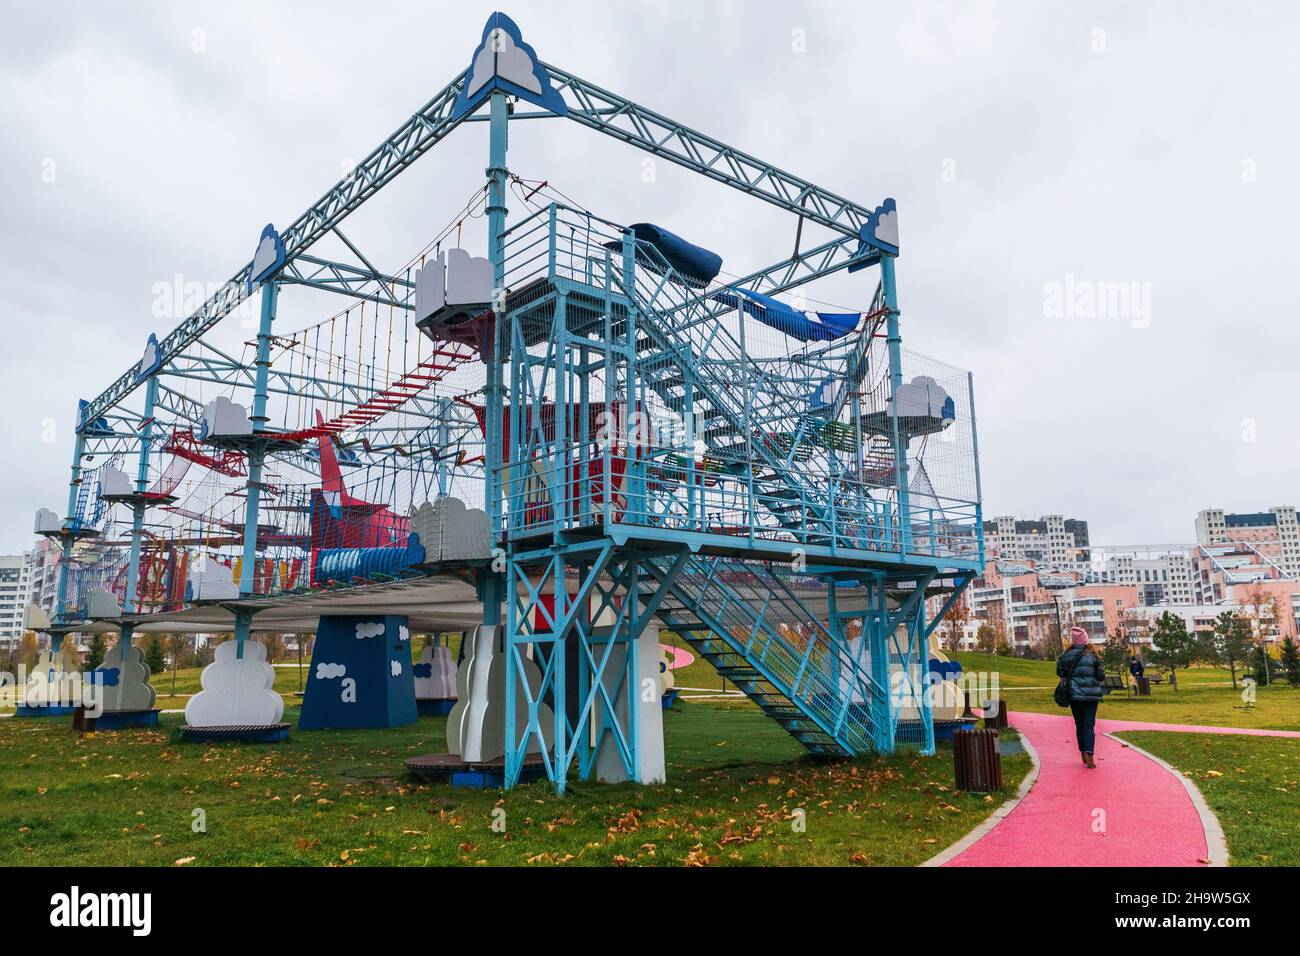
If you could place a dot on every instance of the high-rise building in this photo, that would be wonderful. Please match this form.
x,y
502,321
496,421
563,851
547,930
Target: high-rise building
x,y
1051,540
14,592
1274,533
43,575
1164,577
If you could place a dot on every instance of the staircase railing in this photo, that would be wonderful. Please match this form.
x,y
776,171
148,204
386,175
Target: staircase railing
x,y
786,644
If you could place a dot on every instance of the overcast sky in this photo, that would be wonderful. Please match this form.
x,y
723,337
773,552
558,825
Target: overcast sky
x,y
1036,151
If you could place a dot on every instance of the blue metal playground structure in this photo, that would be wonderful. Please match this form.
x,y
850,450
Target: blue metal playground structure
x,y
789,491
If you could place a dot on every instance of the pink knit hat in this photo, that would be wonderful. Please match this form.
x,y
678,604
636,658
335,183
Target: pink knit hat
x,y
1078,636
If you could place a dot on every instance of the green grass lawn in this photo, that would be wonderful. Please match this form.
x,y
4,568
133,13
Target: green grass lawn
x,y
341,797
1205,696
1251,783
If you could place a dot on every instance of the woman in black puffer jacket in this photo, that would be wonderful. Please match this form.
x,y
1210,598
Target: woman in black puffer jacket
x,y
1087,688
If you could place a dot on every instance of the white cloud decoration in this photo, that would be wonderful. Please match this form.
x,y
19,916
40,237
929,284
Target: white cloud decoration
x,y
236,691
500,57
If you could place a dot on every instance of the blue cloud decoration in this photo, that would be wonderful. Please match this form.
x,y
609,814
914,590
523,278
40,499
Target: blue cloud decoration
x,y
879,232
503,61
150,360
268,259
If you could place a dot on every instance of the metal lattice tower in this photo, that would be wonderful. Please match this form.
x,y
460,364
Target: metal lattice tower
x,y
648,446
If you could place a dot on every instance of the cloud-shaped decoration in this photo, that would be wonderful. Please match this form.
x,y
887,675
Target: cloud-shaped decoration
x,y
130,689
880,231
395,668
150,360
435,674
923,397
403,632
47,522
503,61
368,630
666,679
35,618
92,427
237,691
476,726
268,259
215,582
54,678
328,671
452,289
99,603
113,483
452,532
222,417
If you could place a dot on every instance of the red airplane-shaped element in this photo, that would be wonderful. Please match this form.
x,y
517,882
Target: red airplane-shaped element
x,y
339,520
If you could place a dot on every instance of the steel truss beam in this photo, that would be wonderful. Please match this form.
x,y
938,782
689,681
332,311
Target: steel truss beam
x,y
655,133
588,105
408,143
329,276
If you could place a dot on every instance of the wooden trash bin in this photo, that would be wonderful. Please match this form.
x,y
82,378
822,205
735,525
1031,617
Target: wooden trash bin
x,y
977,761
995,714
1143,687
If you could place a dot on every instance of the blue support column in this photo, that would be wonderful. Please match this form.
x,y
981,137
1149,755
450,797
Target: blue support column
x,y
921,635
878,637
490,588
975,454
243,626
138,506
256,454
66,542
894,341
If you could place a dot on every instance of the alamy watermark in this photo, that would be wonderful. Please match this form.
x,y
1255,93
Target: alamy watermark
x,y
1075,298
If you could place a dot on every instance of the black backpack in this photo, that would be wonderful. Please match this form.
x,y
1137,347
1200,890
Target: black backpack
x,y
1062,693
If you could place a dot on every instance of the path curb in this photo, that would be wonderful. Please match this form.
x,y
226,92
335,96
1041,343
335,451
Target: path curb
x,y
1215,843
994,818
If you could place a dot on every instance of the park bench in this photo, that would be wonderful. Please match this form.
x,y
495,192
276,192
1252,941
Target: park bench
x,y
1115,682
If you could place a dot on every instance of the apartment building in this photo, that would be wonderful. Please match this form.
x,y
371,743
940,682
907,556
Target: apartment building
x,y
1051,540
1161,578
1274,533
14,591
43,575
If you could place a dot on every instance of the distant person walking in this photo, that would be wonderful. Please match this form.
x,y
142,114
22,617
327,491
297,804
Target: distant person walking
x,y
1083,685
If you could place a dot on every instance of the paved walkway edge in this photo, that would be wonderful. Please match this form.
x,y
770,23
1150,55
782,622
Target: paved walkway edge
x,y
997,816
1214,840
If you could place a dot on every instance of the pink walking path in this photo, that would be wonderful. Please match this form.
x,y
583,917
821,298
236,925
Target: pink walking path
x,y
1149,816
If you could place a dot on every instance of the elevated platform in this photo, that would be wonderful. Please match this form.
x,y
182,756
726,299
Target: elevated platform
x,y
439,602
239,733
147,499
452,769
767,544
532,305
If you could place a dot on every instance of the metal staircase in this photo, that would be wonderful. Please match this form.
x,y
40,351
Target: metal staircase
x,y
758,425
683,345
746,619
747,475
